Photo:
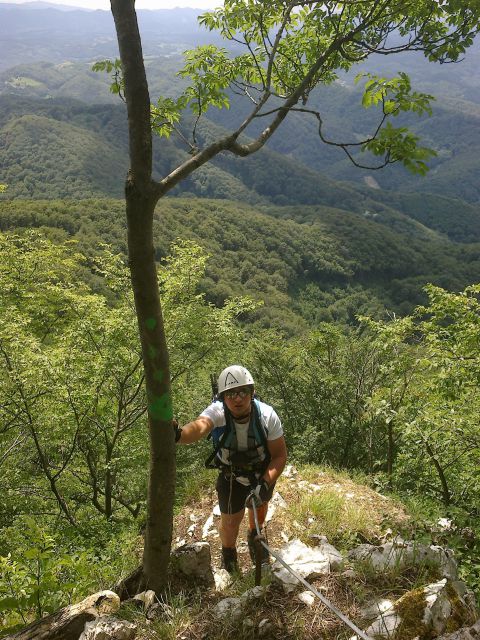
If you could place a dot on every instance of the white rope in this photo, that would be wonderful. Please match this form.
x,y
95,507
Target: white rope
x,y
326,602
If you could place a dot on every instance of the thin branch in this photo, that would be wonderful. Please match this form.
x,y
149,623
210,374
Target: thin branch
x,y
199,358
19,440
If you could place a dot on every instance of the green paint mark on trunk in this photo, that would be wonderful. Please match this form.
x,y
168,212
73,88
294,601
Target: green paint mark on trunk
x,y
150,323
152,351
158,375
161,408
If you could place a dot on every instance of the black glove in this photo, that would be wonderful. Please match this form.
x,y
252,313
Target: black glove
x,y
259,494
177,430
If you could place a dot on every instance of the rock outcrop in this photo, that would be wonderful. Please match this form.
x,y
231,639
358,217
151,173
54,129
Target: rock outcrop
x,y
399,554
427,611
443,609
109,628
308,562
194,560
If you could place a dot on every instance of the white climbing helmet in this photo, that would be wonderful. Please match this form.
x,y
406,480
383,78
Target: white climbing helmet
x,y
234,376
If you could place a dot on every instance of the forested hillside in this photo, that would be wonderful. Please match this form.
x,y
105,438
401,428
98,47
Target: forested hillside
x,y
306,263
351,294
64,148
396,400
452,130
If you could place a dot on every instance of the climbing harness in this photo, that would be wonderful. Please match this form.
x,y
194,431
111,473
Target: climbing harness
x,y
260,540
241,463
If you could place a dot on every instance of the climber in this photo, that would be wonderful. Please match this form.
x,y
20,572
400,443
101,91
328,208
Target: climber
x,y
249,451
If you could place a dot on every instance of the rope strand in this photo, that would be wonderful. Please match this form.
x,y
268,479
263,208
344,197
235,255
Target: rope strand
x,y
322,598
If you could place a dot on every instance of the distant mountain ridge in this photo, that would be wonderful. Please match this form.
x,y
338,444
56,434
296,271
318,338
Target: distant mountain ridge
x,y
40,124
38,4
54,35
453,129
64,148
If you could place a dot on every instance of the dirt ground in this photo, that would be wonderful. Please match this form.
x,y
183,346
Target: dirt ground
x,y
280,527
277,615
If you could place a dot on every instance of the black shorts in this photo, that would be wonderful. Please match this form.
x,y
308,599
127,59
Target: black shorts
x,y
232,494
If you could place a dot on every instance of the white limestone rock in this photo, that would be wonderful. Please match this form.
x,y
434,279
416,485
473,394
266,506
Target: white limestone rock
x,y
309,486
253,594
307,598
146,598
398,554
467,596
194,560
439,607
445,524
385,625
470,632
277,502
374,610
437,611
308,562
222,579
208,527
439,556
336,558
108,628
234,608
230,609
386,556
289,471
179,542
285,537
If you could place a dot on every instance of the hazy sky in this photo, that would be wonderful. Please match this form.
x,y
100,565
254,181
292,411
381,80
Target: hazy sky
x,y
140,4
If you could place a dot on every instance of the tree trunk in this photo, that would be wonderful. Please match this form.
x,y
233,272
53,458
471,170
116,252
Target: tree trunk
x,y
140,202
108,482
161,489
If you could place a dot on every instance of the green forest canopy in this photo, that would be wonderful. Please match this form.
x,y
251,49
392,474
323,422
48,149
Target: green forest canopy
x,y
396,399
307,264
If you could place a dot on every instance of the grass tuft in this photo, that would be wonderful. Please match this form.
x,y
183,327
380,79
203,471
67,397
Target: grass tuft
x,y
331,514
193,484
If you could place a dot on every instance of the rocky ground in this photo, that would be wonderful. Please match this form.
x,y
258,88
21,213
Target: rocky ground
x,y
378,515
306,506
356,547
379,570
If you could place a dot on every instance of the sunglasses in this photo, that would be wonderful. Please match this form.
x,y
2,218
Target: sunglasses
x,y
233,393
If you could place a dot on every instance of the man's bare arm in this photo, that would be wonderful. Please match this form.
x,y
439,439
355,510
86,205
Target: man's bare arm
x,y
278,452
195,430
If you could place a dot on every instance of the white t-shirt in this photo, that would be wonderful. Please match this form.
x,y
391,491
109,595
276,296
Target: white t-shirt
x,y
270,421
